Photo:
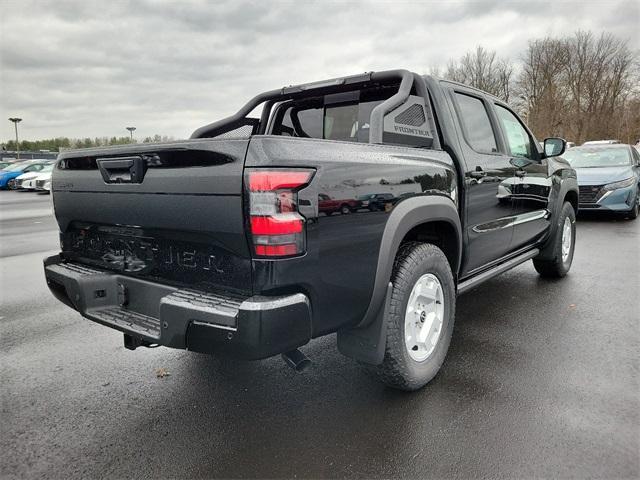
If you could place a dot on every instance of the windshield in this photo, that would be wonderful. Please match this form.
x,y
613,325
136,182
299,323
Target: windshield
x,y
47,168
597,157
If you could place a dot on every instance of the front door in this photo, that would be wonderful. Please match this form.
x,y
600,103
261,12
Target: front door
x,y
531,185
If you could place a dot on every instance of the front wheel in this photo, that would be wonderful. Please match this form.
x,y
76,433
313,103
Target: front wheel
x,y
556,260
420,317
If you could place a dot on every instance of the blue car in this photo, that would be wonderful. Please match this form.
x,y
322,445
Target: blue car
x,y
8,175
608,177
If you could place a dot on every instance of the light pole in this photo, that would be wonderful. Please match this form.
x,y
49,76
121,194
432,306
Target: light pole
x,y
15,121
131,129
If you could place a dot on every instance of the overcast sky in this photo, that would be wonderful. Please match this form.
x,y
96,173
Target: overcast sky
x,y
87,68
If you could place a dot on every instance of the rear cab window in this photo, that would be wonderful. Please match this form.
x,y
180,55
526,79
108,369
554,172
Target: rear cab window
x,y
342,116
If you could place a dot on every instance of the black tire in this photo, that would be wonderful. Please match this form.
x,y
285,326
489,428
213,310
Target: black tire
x,y
398,369
550,264
345,210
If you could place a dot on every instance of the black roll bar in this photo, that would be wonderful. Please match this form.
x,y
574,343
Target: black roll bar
x,y
407,81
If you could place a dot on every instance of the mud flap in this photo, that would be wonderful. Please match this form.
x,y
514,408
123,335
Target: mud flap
x,y
367,344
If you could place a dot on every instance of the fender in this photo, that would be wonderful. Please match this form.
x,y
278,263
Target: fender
x,y
566,182
366,340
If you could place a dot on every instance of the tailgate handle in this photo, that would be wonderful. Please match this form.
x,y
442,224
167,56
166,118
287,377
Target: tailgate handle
x,y
122,170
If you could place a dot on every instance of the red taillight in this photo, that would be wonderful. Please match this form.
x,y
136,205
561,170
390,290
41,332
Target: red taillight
x,y
277,228
272,180
276,250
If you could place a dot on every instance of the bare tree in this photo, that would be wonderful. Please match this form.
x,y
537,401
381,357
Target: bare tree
x,y
482,69
579,87
540,90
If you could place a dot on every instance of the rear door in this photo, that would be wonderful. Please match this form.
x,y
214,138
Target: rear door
x,y
172,212
488,214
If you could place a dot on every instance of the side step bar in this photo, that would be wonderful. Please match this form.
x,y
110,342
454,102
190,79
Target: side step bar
x,y
473,282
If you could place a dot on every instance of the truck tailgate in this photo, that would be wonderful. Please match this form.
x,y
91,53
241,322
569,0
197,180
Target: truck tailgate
x,y
171,212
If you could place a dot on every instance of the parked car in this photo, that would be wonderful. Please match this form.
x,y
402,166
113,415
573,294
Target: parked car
x,y
8,175
329,205
43,181
223,249
608,177
375,202
21,182
27,181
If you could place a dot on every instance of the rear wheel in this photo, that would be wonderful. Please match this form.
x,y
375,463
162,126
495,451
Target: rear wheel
x,y
420,318
344,209
556,260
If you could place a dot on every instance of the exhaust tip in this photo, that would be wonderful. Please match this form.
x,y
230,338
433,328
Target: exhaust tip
x,y
296,360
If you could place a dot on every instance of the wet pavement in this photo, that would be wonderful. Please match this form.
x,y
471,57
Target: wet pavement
x,y
542,380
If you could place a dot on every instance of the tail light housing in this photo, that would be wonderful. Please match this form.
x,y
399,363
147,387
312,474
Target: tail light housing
x,y
277,227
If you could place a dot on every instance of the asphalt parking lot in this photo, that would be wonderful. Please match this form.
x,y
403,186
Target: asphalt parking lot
x,y
542,380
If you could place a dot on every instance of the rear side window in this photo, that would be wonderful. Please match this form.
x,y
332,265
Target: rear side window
x,y
475,121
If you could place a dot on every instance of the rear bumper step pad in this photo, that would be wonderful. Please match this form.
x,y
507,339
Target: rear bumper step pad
x,y
246,327
143,325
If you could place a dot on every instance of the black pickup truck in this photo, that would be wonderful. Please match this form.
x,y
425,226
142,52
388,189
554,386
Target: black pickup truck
x,y
217,244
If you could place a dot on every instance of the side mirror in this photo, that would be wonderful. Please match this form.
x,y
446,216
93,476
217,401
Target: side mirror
x,y
554,146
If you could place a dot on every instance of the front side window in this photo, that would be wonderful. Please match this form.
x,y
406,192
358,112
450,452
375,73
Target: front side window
x,y
475,120
517,137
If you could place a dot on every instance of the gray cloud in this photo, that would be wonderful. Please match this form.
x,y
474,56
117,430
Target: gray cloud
x,y
82,68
